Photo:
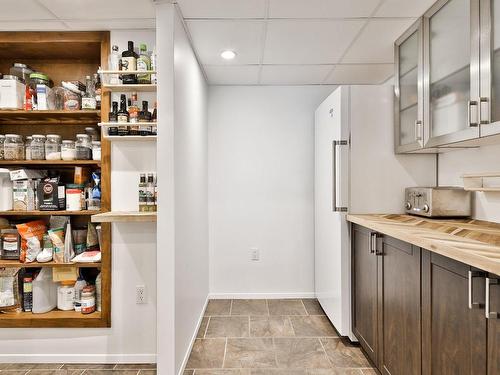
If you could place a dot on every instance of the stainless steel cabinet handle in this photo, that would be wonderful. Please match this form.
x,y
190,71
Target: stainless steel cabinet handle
x,y
335,144
470,104
484,102
373,242
490,314
418,130
472,275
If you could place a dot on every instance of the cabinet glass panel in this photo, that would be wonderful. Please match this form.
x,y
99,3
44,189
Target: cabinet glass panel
x,y
408,89
495,61
449,78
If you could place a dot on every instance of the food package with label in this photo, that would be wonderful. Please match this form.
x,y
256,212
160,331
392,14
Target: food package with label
x,y
9,289
31,239
64,274
51,194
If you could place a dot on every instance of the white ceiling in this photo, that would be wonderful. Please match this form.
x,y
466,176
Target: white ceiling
x,y
278,42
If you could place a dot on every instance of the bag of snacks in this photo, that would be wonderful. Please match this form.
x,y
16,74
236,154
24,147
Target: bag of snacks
x,y
31,239
9,289
57,238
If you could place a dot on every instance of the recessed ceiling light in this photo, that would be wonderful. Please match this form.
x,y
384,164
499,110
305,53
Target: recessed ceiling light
x,y
228,55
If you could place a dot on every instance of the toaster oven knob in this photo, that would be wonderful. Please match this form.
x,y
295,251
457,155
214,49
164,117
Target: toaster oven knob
x,y
408,205
425,208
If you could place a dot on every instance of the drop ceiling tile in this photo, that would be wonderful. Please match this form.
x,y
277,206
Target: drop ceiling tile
x,y
47,25
404,8
232,74
12,10
294,74
376,42
210,38
358,74
99,9
223,8
321,8
123,24
309,41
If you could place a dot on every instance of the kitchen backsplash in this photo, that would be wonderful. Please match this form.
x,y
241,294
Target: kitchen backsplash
x,y
452,165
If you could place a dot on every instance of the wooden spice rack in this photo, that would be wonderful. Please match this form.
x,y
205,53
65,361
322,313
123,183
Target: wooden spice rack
x,y
63,56
125,216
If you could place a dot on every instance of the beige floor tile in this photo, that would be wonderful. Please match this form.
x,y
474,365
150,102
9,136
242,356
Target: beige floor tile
x,y
369,372
312,326
338,371
313,307
250,353
344,356
207,353
15,372
55,372
249,307
109,372
223,372
278,372
147,372
203,327
270,326
135,366
228,326
217,307
90,366
300,353
286,307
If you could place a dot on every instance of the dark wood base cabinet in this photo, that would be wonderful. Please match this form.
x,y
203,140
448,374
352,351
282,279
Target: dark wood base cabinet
x,y
418,313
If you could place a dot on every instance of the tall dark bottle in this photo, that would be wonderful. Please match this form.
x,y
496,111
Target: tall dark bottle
x,y
113,117
123,116
129,62
145,119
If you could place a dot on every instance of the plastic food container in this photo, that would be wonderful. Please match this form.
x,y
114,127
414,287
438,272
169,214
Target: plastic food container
x,y
68,150
66,296
53,147
83,147
88,300
12,92
22,71
38,147
27,147
39,79
96,150
75,199
13,147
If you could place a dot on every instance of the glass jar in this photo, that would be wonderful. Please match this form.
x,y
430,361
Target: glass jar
x,y
68,150
53,147
83,147
27,147
13,147
2,141
96,150
92,133
38,147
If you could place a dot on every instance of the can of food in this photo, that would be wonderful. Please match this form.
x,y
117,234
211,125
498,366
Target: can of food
x,y
88,299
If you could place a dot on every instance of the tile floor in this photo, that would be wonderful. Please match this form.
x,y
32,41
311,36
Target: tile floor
x,y
271,337
76,369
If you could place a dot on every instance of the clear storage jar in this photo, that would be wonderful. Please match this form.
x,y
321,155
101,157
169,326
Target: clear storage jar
x,y
27,147
96,150
83,147
2,141
68,150
53,147
38,147
13,147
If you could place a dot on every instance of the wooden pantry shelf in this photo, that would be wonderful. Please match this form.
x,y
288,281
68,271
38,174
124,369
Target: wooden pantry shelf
x,y
17,264
128,138
55,319
48,213
20,117
129,88
125,217
476,182
49,162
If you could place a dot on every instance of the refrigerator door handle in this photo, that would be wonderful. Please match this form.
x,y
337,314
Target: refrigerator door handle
x,y
335,144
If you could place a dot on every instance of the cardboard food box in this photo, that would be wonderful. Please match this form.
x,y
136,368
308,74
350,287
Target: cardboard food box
x,y
27,174
51,196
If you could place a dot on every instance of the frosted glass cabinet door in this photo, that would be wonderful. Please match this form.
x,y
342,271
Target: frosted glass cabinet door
x,y
452,71
408,90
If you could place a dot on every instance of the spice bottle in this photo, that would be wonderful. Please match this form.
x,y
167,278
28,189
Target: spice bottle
x,y
150,192
145,119
143,203
88,300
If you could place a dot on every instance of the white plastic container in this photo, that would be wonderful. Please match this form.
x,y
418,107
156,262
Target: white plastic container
x,y
66,297
44,292
12,92
5,190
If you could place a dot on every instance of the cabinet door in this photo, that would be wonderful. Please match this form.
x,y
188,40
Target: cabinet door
x,y
453,335
494,326
451,72
365,291
401,316
408,89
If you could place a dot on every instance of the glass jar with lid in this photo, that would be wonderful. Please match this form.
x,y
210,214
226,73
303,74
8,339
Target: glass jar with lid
x,y
13,147
68,150
38,147
83,147
53,147
27,147
96,150
2,141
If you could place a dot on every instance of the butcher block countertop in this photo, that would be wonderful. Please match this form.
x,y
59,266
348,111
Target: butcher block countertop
x,y
473,242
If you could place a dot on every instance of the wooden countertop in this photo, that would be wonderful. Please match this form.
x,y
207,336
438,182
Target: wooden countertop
x,y
473,242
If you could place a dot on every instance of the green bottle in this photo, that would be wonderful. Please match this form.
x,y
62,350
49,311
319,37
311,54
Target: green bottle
x,y
143,64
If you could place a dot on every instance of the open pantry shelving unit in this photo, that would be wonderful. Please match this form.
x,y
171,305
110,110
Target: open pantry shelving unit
x,y
63,56
123,216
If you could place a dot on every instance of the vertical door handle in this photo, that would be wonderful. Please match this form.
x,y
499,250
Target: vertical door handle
x,y
418,130
335,144
472,276
373,242
470,104
490,314
484,103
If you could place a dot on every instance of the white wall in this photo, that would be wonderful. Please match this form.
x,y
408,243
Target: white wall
x,y
452,165
132,337
261,176
191,199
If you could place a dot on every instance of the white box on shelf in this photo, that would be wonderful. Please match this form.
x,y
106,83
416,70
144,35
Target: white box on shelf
x,y
12,94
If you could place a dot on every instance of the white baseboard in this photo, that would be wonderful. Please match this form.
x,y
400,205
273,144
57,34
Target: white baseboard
x,y
77,358
193,338
262,295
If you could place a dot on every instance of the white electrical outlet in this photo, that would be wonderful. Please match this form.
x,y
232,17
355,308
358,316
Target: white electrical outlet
x,y
254,254
140,294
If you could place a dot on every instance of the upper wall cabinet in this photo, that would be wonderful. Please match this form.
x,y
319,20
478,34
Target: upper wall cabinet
x,y
409,109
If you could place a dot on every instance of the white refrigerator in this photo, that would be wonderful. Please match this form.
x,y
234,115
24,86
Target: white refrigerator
x,y
356,171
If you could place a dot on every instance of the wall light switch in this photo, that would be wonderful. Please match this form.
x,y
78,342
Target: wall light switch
x,y
140,294
254,254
